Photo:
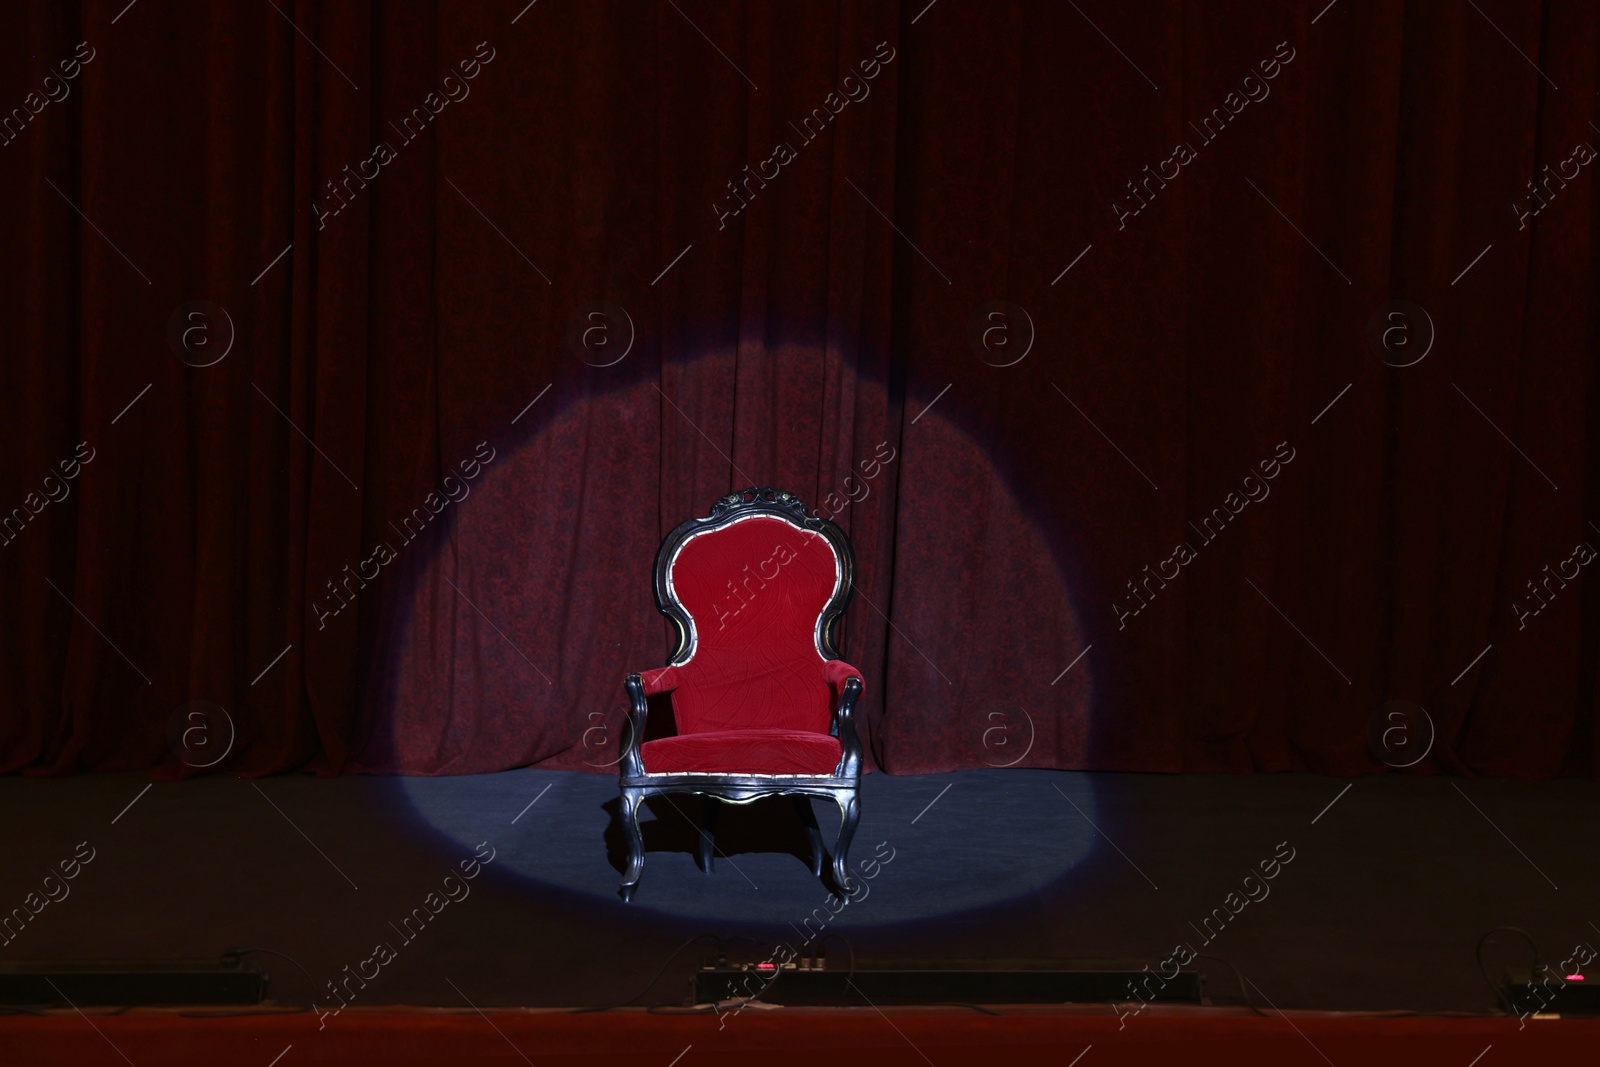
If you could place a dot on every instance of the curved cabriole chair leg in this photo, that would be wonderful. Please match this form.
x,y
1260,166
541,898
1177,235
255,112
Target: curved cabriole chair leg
x,y
635,840
707,847
849,816
808,819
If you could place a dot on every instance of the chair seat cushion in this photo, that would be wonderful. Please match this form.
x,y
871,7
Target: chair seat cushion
x,y
743,752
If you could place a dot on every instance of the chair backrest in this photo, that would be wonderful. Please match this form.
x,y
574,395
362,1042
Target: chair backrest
x,y
754,591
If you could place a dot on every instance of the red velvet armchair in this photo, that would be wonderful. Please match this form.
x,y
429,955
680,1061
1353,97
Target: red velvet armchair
x,y
763,704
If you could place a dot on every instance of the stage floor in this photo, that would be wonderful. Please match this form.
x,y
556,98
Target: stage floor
x,y
1388,885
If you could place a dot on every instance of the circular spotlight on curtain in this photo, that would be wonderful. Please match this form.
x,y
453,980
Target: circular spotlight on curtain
x,y
519,620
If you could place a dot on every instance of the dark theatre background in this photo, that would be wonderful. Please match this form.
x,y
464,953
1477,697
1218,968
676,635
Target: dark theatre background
x,y
978,308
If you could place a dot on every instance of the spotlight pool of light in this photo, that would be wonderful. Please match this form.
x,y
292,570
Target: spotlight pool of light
x,y
479,674
928,845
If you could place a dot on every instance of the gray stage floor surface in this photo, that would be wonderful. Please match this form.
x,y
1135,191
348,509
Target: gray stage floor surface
x,y
1391,883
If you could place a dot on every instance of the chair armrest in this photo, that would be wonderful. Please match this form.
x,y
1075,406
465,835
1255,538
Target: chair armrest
x,y
660,680
846,681
638,687
838,672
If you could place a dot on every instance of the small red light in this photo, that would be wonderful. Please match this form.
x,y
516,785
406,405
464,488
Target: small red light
x,y
1574,977
774,966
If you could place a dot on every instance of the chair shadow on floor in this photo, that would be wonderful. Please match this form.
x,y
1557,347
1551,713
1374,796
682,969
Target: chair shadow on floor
x,y
771,825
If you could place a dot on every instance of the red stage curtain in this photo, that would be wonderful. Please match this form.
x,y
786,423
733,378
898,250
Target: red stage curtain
x,y
1203,210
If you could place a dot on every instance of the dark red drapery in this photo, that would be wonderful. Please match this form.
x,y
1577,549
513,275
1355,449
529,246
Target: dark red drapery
x,y
1198,214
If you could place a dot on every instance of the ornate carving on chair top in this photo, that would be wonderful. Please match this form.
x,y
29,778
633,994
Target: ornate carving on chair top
x,y
762,497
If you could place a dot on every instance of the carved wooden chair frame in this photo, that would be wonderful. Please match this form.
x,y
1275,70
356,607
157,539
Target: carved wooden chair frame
x,y
841,786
